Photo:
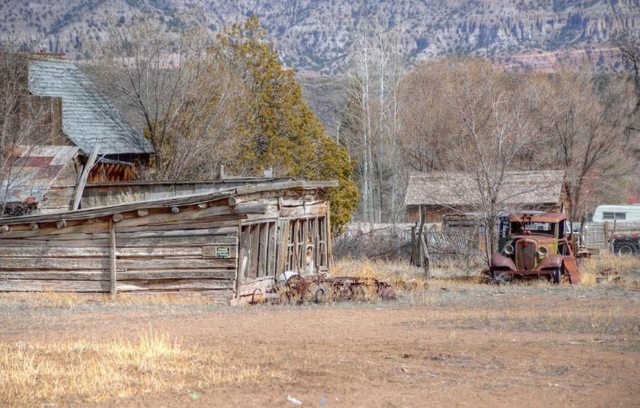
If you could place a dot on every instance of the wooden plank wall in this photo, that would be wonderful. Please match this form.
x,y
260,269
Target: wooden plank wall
x,y
156,251
286,237
193,248
60,194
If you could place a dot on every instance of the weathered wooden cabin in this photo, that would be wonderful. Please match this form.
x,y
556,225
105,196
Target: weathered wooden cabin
x,y
436,194
225,243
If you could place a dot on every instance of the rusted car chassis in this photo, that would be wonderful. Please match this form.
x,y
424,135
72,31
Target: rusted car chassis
x,y
535,246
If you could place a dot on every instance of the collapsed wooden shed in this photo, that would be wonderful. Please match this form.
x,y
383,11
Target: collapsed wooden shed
x,y
225,243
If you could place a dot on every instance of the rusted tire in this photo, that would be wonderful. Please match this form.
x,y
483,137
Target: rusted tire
x,y
285,298
295,283
320,293
357,293
343,294
315,293
296,287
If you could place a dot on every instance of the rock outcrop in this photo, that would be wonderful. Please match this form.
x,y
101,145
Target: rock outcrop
x,y
316,36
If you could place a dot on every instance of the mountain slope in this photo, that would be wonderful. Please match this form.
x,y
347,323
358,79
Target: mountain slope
x,y
315,36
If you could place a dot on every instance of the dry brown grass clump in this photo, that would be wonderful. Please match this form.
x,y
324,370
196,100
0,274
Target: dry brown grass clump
x,y
450,268
53,372
66,300
399,274
628,268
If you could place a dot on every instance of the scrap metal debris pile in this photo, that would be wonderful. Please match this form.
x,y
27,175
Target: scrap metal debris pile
x,y
294,288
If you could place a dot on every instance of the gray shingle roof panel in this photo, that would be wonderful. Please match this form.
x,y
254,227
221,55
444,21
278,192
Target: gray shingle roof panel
x,y
87,116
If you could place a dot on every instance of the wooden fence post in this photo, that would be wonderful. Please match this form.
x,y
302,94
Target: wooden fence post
x,y
112,256
329,238
420,251
613,232
413,244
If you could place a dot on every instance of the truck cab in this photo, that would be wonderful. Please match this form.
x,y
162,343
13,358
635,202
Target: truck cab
x,y
534,245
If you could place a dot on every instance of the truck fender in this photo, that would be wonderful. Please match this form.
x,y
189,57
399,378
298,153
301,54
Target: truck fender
x,y
551,262
499,261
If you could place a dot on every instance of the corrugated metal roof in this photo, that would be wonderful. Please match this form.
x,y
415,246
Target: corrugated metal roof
x,y
34,172
87,116
455,189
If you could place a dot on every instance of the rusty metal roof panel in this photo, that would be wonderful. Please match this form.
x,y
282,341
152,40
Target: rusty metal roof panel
x,y
34,172
87,116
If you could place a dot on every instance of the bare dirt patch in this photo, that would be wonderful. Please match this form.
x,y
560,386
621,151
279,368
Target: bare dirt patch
x,y
452,345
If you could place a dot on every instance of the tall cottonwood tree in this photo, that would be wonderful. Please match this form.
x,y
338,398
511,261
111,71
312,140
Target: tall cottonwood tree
x,y
372,121
629,47
580,122
496,127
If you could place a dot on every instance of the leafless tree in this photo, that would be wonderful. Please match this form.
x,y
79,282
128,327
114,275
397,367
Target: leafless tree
x,y
374,115
629,47
426,117
24,119
588,124
361,91
495,113
184,96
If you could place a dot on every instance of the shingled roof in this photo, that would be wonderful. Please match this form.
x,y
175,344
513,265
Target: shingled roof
x,y
87,116
456,189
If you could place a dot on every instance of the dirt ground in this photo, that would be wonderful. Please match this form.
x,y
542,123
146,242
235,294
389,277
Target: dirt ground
x,y
451,345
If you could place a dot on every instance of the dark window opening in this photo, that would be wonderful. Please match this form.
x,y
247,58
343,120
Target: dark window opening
x,y
614,216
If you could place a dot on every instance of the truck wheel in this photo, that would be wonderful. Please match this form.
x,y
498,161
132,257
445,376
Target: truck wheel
x,y
501,278
625,250
555,276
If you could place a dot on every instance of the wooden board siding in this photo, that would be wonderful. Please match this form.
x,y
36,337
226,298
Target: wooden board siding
x,y
192,243
61,192
147,260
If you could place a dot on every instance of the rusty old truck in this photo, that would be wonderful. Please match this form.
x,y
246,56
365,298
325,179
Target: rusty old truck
x,y
534,246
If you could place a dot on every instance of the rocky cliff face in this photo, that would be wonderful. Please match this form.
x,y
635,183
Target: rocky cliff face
x,y
315,36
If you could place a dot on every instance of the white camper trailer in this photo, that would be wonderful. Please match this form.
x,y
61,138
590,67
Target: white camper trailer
x,y
625,223
617,213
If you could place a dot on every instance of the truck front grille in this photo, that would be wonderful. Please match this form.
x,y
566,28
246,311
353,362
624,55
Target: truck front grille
x,y
526,255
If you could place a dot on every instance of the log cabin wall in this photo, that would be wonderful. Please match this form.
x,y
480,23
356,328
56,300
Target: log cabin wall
x,y
104,194
184,244
155,251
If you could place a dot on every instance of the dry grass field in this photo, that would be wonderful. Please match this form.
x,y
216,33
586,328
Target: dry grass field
x,y
452,344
